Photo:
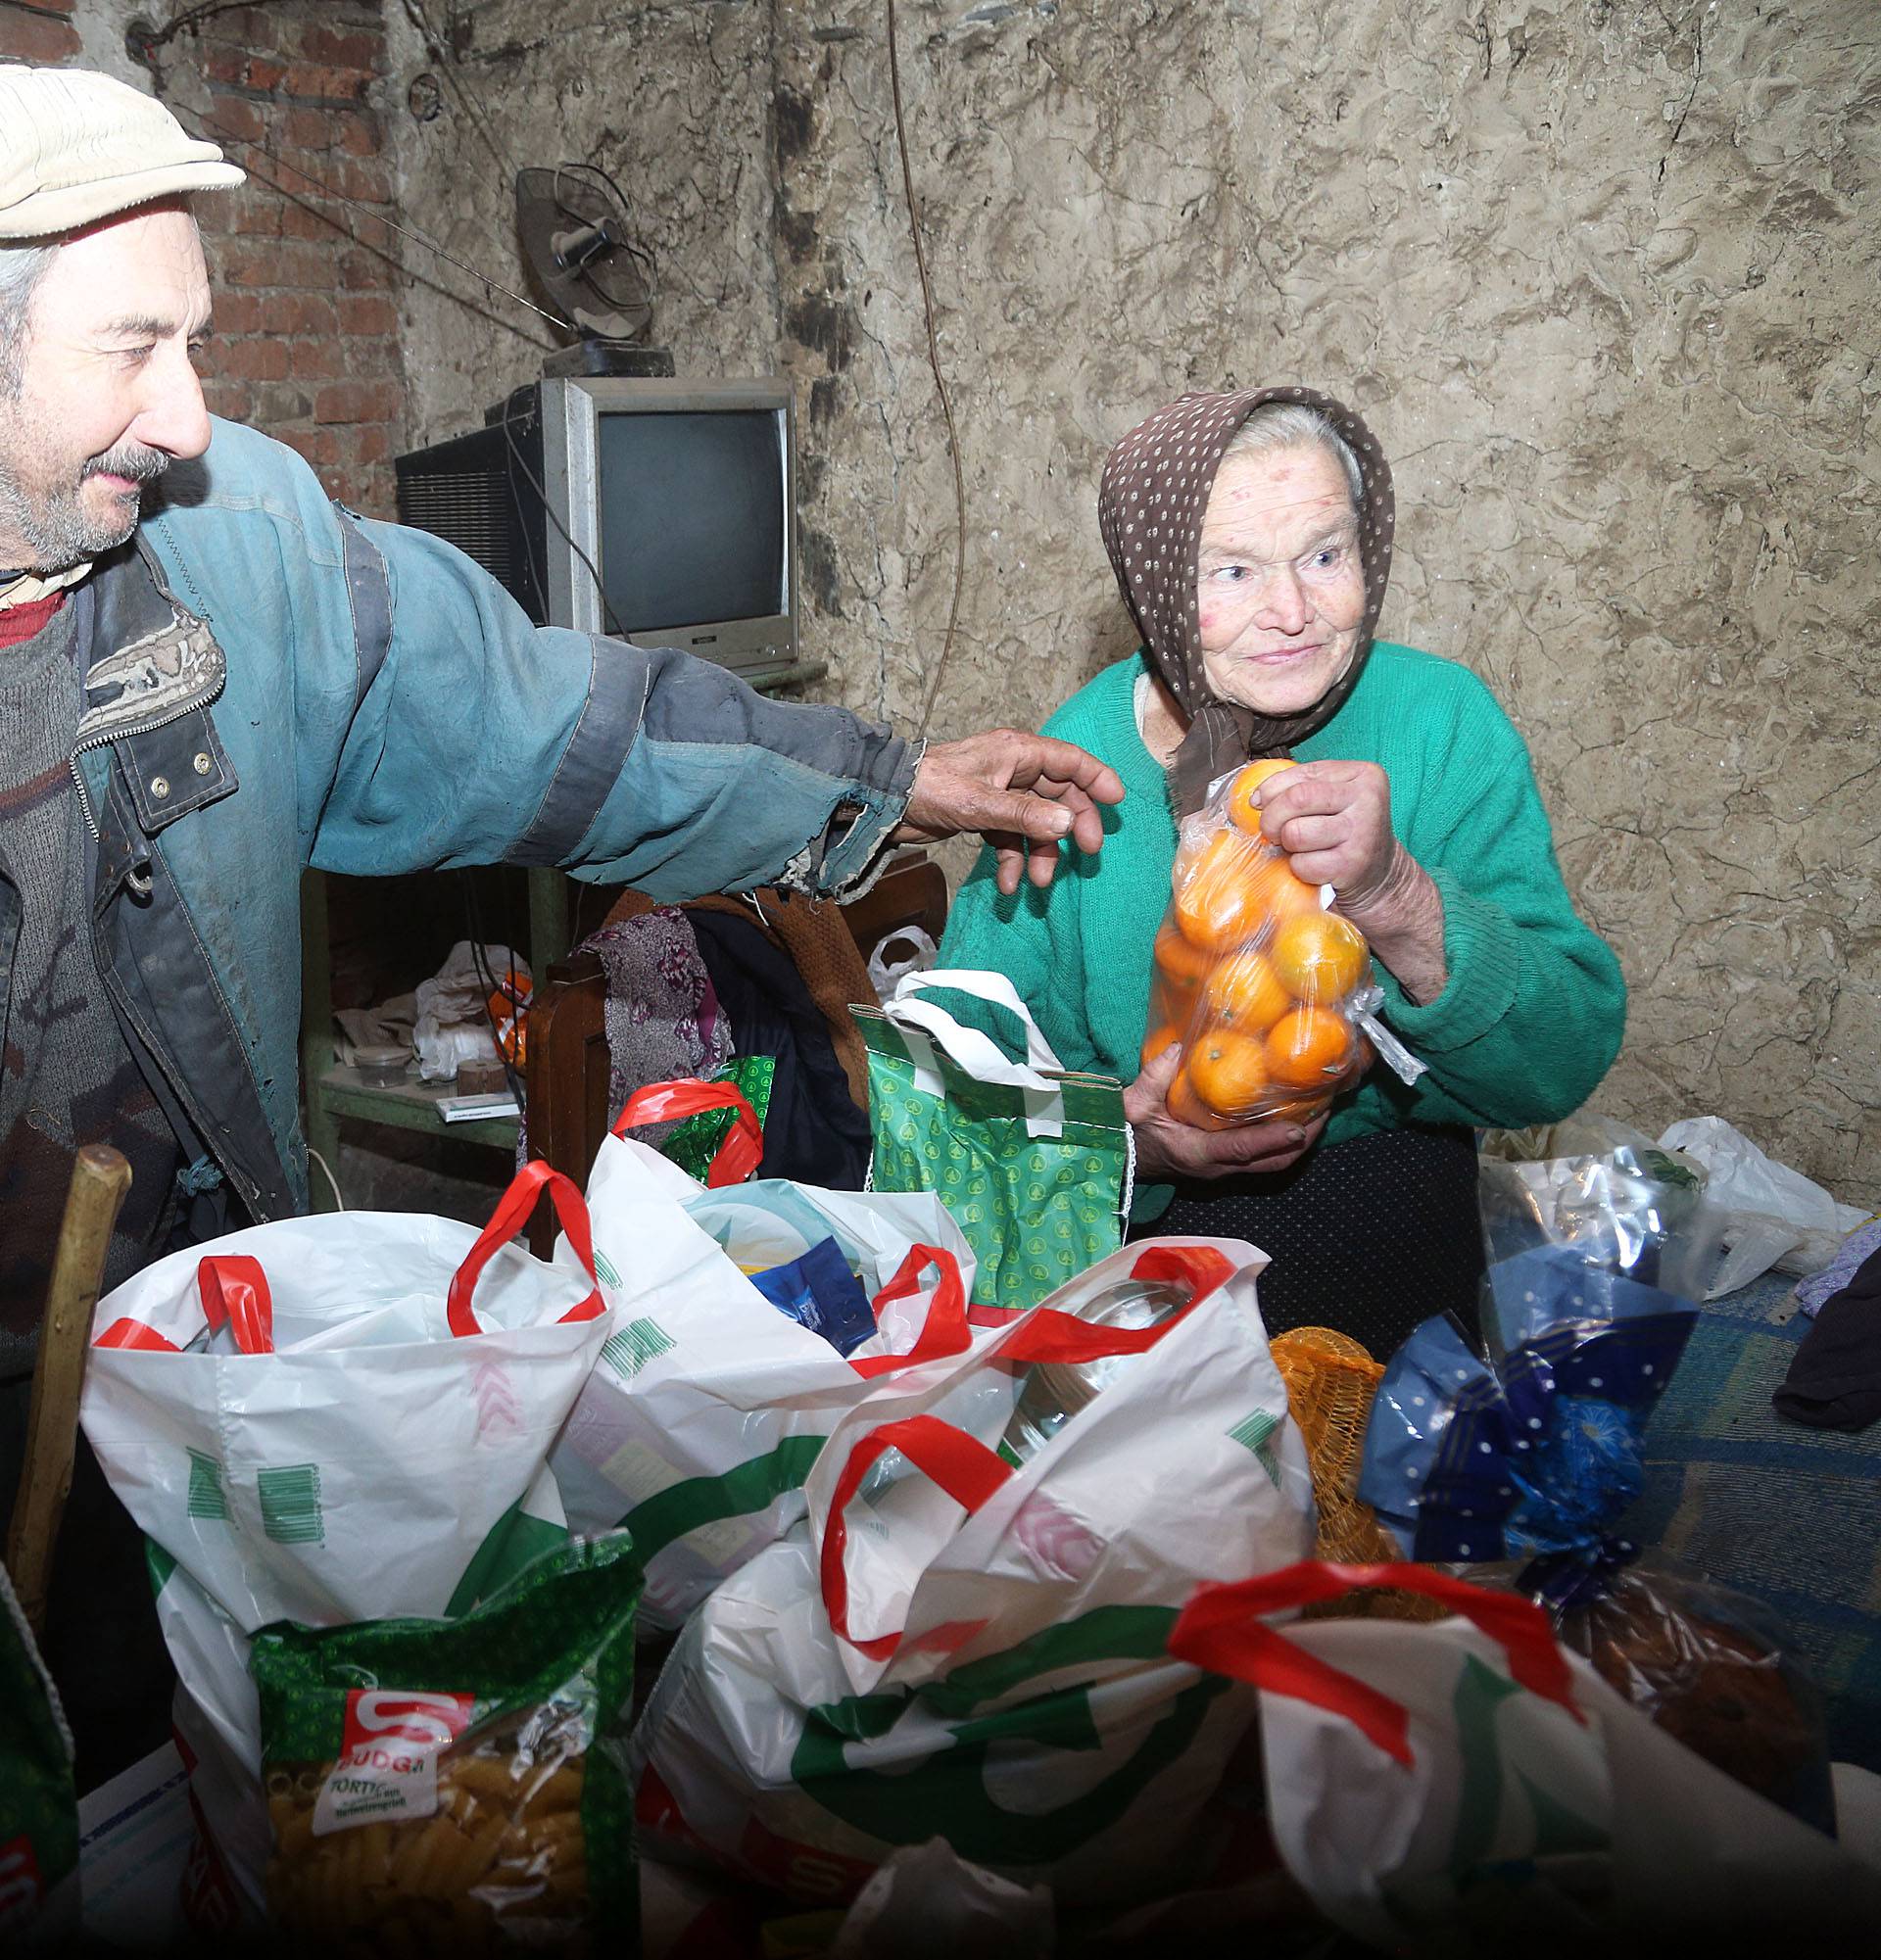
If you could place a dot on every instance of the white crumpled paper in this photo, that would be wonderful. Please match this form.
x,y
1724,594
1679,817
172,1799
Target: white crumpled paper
x,y
1777,1217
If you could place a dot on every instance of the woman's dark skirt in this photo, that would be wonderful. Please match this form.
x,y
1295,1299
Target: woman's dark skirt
x,y
1370,1237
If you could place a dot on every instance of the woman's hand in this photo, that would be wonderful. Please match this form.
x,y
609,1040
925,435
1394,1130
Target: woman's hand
x,y
1333,818
1165,1148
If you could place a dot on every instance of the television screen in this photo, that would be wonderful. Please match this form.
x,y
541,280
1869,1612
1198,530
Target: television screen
x,y
691,516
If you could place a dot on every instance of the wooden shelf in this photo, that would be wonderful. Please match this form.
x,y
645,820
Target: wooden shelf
x,y
408,1105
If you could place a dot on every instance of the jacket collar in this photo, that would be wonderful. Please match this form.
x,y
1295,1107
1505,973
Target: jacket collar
x,y
152,662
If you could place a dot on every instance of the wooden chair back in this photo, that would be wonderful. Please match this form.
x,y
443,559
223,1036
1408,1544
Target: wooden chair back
x,y
568,1066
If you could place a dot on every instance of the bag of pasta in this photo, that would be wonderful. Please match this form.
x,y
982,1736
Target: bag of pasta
x,y
455,1787
1267,991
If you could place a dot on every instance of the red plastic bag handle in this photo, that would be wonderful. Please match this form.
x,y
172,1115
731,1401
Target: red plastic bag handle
x,y
962,1465
233,1290
128,1333
946,1331
506,1222
1052,1335
661,1102
1219,1630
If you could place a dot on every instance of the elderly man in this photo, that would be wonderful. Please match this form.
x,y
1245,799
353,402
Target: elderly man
x,y
210,678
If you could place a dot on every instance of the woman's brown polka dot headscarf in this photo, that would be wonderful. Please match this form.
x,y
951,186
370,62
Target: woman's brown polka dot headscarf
x,y
1150,507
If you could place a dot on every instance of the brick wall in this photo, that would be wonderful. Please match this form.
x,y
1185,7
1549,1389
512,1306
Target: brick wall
x,y
307,322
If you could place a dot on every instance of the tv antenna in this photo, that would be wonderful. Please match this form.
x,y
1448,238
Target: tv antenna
x,y
573,224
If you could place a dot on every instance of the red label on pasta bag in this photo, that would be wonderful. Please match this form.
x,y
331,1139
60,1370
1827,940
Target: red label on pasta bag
x,y
388,1766
20,1891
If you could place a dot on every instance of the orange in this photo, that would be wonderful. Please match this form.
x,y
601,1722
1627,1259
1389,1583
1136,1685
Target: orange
x,y
1308,1048
1227,1071
1243,993
1156,1043
1301,1110
1318,956
1187,1107
1277,892
1183,964
1218,904
1243,812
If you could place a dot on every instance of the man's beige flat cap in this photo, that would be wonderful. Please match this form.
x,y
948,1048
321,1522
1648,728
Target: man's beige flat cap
x,y
77,146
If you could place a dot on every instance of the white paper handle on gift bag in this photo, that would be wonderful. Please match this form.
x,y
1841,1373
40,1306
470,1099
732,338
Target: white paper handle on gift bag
x,y
961,1464
1221,1630
979,1055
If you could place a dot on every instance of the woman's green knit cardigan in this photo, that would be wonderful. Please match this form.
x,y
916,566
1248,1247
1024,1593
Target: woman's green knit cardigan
x,y
1532,1015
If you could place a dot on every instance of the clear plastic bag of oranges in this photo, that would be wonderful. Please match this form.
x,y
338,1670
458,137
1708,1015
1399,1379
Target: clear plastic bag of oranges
x,y
1267,991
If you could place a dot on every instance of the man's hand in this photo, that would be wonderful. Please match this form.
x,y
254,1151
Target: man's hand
x,y
1165,1148
1023,792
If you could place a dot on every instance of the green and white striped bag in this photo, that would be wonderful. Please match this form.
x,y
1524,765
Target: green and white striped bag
x,y
967,1639
330,1419
966,1099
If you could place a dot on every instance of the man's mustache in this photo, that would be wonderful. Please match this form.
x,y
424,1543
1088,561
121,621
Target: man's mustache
x,y
129,459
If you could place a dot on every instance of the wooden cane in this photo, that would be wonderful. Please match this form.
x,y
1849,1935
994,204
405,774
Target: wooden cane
x,y
100,1178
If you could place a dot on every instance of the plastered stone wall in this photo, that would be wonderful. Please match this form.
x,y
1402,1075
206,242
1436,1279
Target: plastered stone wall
x,y
1601,276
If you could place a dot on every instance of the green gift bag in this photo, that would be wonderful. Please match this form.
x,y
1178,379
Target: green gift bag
x,y
967,1100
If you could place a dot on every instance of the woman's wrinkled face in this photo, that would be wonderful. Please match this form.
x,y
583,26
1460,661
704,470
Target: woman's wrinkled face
x,y
1280,588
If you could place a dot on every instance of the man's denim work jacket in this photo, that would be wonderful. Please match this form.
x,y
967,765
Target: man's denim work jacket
x,y
272,683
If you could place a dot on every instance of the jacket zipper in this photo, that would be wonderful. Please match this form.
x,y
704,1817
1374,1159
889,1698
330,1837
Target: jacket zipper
x,y
121,735
246,1187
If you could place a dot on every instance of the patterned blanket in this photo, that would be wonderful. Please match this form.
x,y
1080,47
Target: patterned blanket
x,y
1787,1514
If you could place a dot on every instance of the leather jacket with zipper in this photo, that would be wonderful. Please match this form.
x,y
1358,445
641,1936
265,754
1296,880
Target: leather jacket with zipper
x,y
272,683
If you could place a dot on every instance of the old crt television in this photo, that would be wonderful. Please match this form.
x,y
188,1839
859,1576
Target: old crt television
x,y
661,511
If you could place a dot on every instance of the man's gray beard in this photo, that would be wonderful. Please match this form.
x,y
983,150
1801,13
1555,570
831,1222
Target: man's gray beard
x,y
59,533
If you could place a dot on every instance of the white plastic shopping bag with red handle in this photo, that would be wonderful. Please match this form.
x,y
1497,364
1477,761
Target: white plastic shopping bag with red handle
x,y
328,1419
1428,1781
708,1404
968,1638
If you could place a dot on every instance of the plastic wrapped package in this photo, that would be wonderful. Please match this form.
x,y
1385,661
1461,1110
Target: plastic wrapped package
x,y
1265,989
1623,1203
455,1786
1592,1262
1709,1665
1535,1453
1540,1450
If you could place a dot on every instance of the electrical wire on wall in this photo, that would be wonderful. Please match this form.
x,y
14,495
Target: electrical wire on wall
x,y
940,384
208,126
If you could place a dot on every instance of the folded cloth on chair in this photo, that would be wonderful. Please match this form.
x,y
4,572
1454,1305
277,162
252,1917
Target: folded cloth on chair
x,y
1835,1379
662,1018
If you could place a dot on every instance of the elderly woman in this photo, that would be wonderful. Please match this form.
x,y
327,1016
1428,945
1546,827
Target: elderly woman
x,y
1251,534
